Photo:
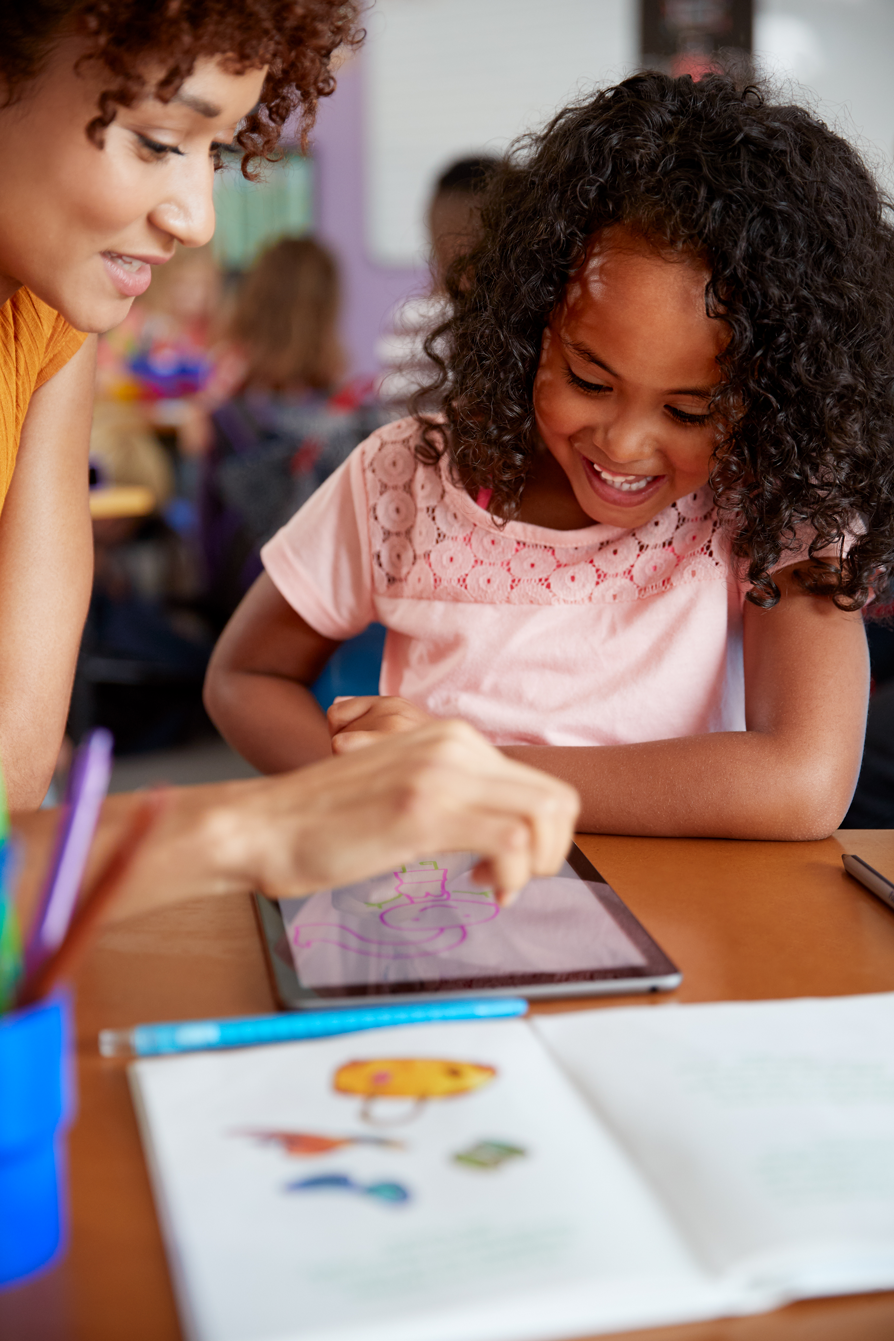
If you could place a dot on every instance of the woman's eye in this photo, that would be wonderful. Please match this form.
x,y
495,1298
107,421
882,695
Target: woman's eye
x,y
592,388
682,417
221,154
155,148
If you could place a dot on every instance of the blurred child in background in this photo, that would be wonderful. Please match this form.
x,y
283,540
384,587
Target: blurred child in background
x,y
453,226
289,421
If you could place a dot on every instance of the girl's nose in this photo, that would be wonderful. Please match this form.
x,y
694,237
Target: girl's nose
x,y
625,438
186,211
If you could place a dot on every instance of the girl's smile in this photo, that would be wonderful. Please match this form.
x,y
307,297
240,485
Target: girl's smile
x,y
627,369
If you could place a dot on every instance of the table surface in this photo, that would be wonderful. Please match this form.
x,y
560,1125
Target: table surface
x,y
741,920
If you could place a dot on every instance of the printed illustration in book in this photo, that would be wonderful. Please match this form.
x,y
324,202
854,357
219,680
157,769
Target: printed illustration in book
x,y
379,1082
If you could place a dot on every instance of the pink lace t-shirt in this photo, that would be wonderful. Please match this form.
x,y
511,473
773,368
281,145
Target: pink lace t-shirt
x,y
591,637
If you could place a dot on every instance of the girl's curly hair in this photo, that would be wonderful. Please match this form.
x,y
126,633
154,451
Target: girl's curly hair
x,y
800,246
295,38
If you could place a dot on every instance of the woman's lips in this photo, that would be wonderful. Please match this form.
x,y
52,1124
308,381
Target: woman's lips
x,y
624,491
129,274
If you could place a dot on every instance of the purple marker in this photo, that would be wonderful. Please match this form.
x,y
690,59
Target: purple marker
x,y
88,783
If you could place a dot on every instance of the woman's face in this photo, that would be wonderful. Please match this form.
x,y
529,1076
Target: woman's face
x,y
82,225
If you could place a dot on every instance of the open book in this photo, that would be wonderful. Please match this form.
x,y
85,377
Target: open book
x,y
498,1181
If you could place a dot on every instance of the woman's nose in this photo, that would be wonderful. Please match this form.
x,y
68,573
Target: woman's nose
x,y
186,211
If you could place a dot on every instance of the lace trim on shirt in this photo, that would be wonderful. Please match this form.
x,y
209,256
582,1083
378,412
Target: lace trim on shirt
x,y
424,547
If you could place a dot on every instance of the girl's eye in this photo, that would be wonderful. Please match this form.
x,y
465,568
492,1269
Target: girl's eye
x,y
592,388
682,417
155,148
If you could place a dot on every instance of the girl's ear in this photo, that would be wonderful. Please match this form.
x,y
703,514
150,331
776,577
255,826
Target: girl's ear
x,y
546,340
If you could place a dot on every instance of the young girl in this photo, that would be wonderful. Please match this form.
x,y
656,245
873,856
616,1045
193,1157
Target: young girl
x,y
634,548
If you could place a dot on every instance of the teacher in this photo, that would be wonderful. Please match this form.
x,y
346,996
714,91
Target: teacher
x,y
112,120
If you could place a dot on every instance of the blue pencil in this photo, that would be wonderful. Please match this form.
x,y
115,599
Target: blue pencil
x,y
148,1040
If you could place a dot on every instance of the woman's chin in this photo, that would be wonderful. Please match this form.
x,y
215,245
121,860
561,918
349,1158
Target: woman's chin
x,y
92,313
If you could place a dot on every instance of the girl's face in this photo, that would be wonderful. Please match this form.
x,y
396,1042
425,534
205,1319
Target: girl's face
x,y
627,367
82,225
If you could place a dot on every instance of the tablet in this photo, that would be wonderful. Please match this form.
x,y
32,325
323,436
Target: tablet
x,y
429,929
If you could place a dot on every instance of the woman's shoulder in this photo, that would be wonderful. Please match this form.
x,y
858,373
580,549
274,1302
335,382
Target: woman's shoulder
x,y
35,337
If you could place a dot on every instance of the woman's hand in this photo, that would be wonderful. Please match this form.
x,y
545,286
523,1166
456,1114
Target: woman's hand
x,y
357,722
439,788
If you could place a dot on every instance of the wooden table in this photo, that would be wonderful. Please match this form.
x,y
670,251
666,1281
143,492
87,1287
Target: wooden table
x,y
742,920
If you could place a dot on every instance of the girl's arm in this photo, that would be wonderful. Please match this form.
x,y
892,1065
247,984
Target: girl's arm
x,y
789,775
46,567
256,688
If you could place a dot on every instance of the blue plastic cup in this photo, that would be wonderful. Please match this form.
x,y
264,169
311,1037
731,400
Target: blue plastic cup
x,y
35,1106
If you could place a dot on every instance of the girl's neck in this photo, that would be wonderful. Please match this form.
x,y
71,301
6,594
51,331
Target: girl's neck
x,y
548,499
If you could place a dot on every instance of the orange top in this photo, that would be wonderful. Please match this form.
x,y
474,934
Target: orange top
x,y
35,342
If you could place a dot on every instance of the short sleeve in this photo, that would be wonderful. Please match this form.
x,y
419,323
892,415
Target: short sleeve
x,y
320,560
63,342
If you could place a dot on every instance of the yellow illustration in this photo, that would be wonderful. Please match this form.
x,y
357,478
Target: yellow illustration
x,y
417,1078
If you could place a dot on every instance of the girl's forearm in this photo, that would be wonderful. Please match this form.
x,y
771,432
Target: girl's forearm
x,y
273,722
736,784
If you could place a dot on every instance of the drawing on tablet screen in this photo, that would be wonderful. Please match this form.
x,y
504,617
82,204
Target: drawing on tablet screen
x,y
422,917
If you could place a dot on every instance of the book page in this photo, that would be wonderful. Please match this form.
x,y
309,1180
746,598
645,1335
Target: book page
x,y
766,1127
416,1184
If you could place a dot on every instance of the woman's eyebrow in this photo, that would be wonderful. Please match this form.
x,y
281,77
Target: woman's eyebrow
x,y
206,109
698,392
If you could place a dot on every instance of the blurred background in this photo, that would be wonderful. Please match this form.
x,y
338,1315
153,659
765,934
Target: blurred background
x,y
252,367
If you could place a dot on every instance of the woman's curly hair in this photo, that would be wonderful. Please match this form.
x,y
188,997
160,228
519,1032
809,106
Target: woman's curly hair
x,y
294,38
800,246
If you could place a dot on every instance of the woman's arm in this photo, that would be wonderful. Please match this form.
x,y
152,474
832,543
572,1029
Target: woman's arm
x,y
256,687
46,567
439,789
789,775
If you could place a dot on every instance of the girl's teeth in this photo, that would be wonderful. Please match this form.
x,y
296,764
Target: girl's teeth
x,y
627,483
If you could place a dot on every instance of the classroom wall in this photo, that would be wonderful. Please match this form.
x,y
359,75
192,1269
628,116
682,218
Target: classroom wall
x,y
839,53
836,54
370,290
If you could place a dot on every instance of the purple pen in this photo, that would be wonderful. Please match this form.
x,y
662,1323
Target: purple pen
x,y
88,784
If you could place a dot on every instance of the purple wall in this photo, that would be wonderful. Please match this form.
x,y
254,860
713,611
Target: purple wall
x,y
370,291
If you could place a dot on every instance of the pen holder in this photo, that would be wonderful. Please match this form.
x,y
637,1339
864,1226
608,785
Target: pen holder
x,y
35,1105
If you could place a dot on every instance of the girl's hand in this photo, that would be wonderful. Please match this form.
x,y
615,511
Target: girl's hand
x,y
357,722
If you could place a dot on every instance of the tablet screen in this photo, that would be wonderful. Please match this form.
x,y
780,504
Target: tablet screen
x,y
431,926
